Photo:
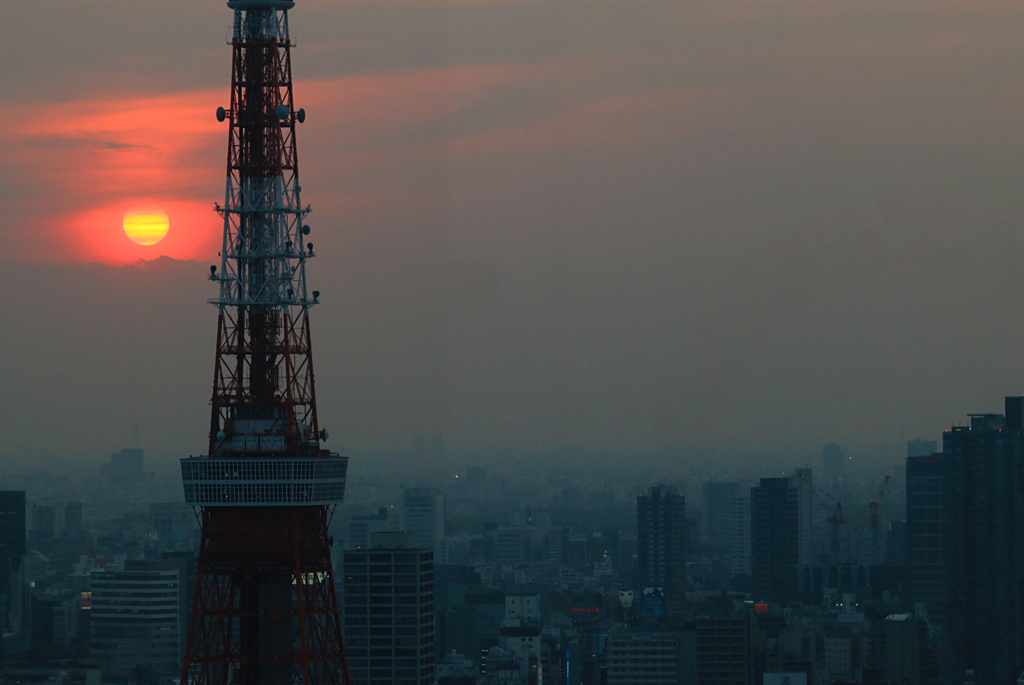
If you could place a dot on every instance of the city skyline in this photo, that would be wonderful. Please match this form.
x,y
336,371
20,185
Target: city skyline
x,y
576,263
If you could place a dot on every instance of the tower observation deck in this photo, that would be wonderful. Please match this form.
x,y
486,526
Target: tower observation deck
x,y
265,610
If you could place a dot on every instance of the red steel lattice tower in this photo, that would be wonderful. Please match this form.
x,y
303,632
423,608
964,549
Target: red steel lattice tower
x,y
265,610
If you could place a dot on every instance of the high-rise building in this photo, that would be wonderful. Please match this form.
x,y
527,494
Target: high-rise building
x,y
740,534
136,619
423,514
774,538
388,610
661,543
803,481
985,545
718,509
832,461
12,555
727,519
925,555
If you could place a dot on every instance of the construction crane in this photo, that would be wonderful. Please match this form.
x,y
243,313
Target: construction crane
x,y
835,520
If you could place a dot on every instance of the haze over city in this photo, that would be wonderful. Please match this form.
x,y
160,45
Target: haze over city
x,y
712,231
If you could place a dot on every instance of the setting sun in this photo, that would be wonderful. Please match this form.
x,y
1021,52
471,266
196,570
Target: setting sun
x,y
146,226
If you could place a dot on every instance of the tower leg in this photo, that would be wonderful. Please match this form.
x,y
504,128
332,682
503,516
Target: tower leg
x,y
265,611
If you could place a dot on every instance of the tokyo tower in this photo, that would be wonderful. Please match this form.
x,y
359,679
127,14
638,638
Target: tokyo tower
x,y
265,610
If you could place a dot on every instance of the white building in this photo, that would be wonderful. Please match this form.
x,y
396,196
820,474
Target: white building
x,y
136,619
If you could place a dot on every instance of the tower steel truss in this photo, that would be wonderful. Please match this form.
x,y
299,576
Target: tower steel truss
x,y
265,610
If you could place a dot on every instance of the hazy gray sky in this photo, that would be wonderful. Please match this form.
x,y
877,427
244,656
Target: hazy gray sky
x,y
617,224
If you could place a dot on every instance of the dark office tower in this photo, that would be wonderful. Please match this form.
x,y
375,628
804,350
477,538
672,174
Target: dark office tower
x,y
803,481
899,646
926,563
727,521
774,538
389,611
724,650
985,546
12,552
832,461
125,467
719,509
661,542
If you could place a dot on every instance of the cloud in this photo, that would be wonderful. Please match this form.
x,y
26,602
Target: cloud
x,y
85,139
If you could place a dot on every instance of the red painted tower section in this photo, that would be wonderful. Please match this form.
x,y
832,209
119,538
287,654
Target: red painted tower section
x,y
265,610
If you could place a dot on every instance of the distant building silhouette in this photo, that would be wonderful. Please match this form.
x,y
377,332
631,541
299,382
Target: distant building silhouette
x,y
832,461
125,467
360,527
175,524
718,508
12,556
727,518
661,543
775,538
803,481
54,520
423,514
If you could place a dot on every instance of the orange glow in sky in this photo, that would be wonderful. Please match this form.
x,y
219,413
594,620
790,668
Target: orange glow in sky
x,y
144,169
102,159
146,226
195,232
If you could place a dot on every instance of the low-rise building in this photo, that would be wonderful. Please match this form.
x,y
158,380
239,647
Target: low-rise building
x,y
651,657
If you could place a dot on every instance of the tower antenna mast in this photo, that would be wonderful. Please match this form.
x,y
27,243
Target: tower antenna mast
x,y
265,609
